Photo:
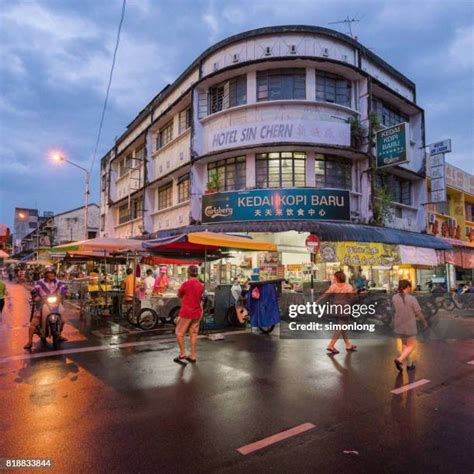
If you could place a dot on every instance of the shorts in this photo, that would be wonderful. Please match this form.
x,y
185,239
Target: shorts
x,y
184,325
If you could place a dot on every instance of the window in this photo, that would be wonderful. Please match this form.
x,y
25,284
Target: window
x,y
185,117
124,165
469,207
228,94
281,84
165,135
280,170
333,172
103,182
139,156
231,172
332,88
134,211
388,115
184,191
124,214
399,187
165,196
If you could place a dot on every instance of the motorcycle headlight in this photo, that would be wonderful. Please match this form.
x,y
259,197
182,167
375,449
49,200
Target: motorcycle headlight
x,y
52,299
53,318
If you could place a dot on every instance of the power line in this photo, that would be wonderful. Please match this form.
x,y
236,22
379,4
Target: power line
x,y
104,108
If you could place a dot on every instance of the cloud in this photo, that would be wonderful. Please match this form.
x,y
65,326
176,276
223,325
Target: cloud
x,y
461,50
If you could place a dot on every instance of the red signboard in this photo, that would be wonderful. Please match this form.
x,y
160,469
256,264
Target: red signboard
x,y
312,243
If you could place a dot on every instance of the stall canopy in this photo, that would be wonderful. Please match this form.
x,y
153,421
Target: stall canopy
x,y
198,242
3,254
331,232
102,244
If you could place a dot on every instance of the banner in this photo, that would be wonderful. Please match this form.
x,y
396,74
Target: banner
x,y
360,253
418,256
277,204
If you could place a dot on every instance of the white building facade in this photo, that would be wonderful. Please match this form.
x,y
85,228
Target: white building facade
x,y
286,109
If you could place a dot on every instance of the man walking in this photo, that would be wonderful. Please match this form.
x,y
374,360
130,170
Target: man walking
x,y
190,315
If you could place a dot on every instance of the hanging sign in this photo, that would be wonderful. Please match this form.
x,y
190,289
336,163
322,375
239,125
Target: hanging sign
x,y
392,145
443,146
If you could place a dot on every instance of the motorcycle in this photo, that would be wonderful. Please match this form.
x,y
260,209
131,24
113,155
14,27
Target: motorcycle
x,y
53,323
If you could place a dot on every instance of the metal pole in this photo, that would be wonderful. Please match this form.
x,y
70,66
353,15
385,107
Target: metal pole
x,y
86,208
37,239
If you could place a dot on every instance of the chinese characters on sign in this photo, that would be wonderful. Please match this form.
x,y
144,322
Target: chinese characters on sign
x,y
437,170
438,180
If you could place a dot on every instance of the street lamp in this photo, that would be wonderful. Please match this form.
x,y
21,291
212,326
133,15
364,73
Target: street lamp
x,y
58,157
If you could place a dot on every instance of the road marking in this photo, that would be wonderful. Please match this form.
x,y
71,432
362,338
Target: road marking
x,y
410,386
471,362
263,443
77,350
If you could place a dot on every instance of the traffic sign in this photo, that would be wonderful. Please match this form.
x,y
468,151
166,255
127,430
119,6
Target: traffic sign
x,y
443,146
312,243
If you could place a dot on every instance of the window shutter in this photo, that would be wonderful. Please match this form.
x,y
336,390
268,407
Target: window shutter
x,y
202,104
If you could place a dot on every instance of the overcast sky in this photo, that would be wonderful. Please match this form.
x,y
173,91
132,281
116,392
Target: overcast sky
x,y
55,57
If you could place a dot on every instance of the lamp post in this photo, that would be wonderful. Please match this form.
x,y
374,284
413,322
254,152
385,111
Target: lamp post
x,y
58,157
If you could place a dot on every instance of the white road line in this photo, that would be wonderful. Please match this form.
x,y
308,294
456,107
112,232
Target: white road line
x,y
410,386
471,362
263,443
77,350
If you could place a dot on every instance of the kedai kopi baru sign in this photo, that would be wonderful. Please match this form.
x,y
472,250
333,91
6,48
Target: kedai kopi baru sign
x,y
392,145
276,204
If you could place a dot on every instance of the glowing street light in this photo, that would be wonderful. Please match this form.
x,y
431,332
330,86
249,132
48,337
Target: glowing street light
x,y
58,157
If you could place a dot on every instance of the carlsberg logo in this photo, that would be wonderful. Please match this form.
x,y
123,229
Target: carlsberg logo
x,y
213,211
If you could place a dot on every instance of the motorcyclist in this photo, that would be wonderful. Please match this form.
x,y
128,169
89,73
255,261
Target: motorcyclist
x,y
49,285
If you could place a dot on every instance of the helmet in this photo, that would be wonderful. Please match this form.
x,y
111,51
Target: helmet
x,y
49,270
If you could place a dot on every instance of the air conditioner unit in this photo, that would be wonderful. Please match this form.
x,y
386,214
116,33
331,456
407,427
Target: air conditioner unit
x,y
344,57
432,219
326,52
216,66
235,58
268,51
293,49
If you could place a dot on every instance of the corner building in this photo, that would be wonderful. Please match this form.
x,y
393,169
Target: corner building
x,y
264,134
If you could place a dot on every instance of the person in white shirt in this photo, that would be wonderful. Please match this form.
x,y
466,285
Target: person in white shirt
x,y
236,290
149,282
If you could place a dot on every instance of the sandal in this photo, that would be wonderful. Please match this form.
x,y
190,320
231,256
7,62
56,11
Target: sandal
x,y
189,359
351,349
332,350
180,360
412,366
398,365
28,346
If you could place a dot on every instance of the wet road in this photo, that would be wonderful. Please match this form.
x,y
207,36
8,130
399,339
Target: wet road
x,y
119,404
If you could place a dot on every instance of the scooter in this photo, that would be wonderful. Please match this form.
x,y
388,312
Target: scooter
x,y
53,320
